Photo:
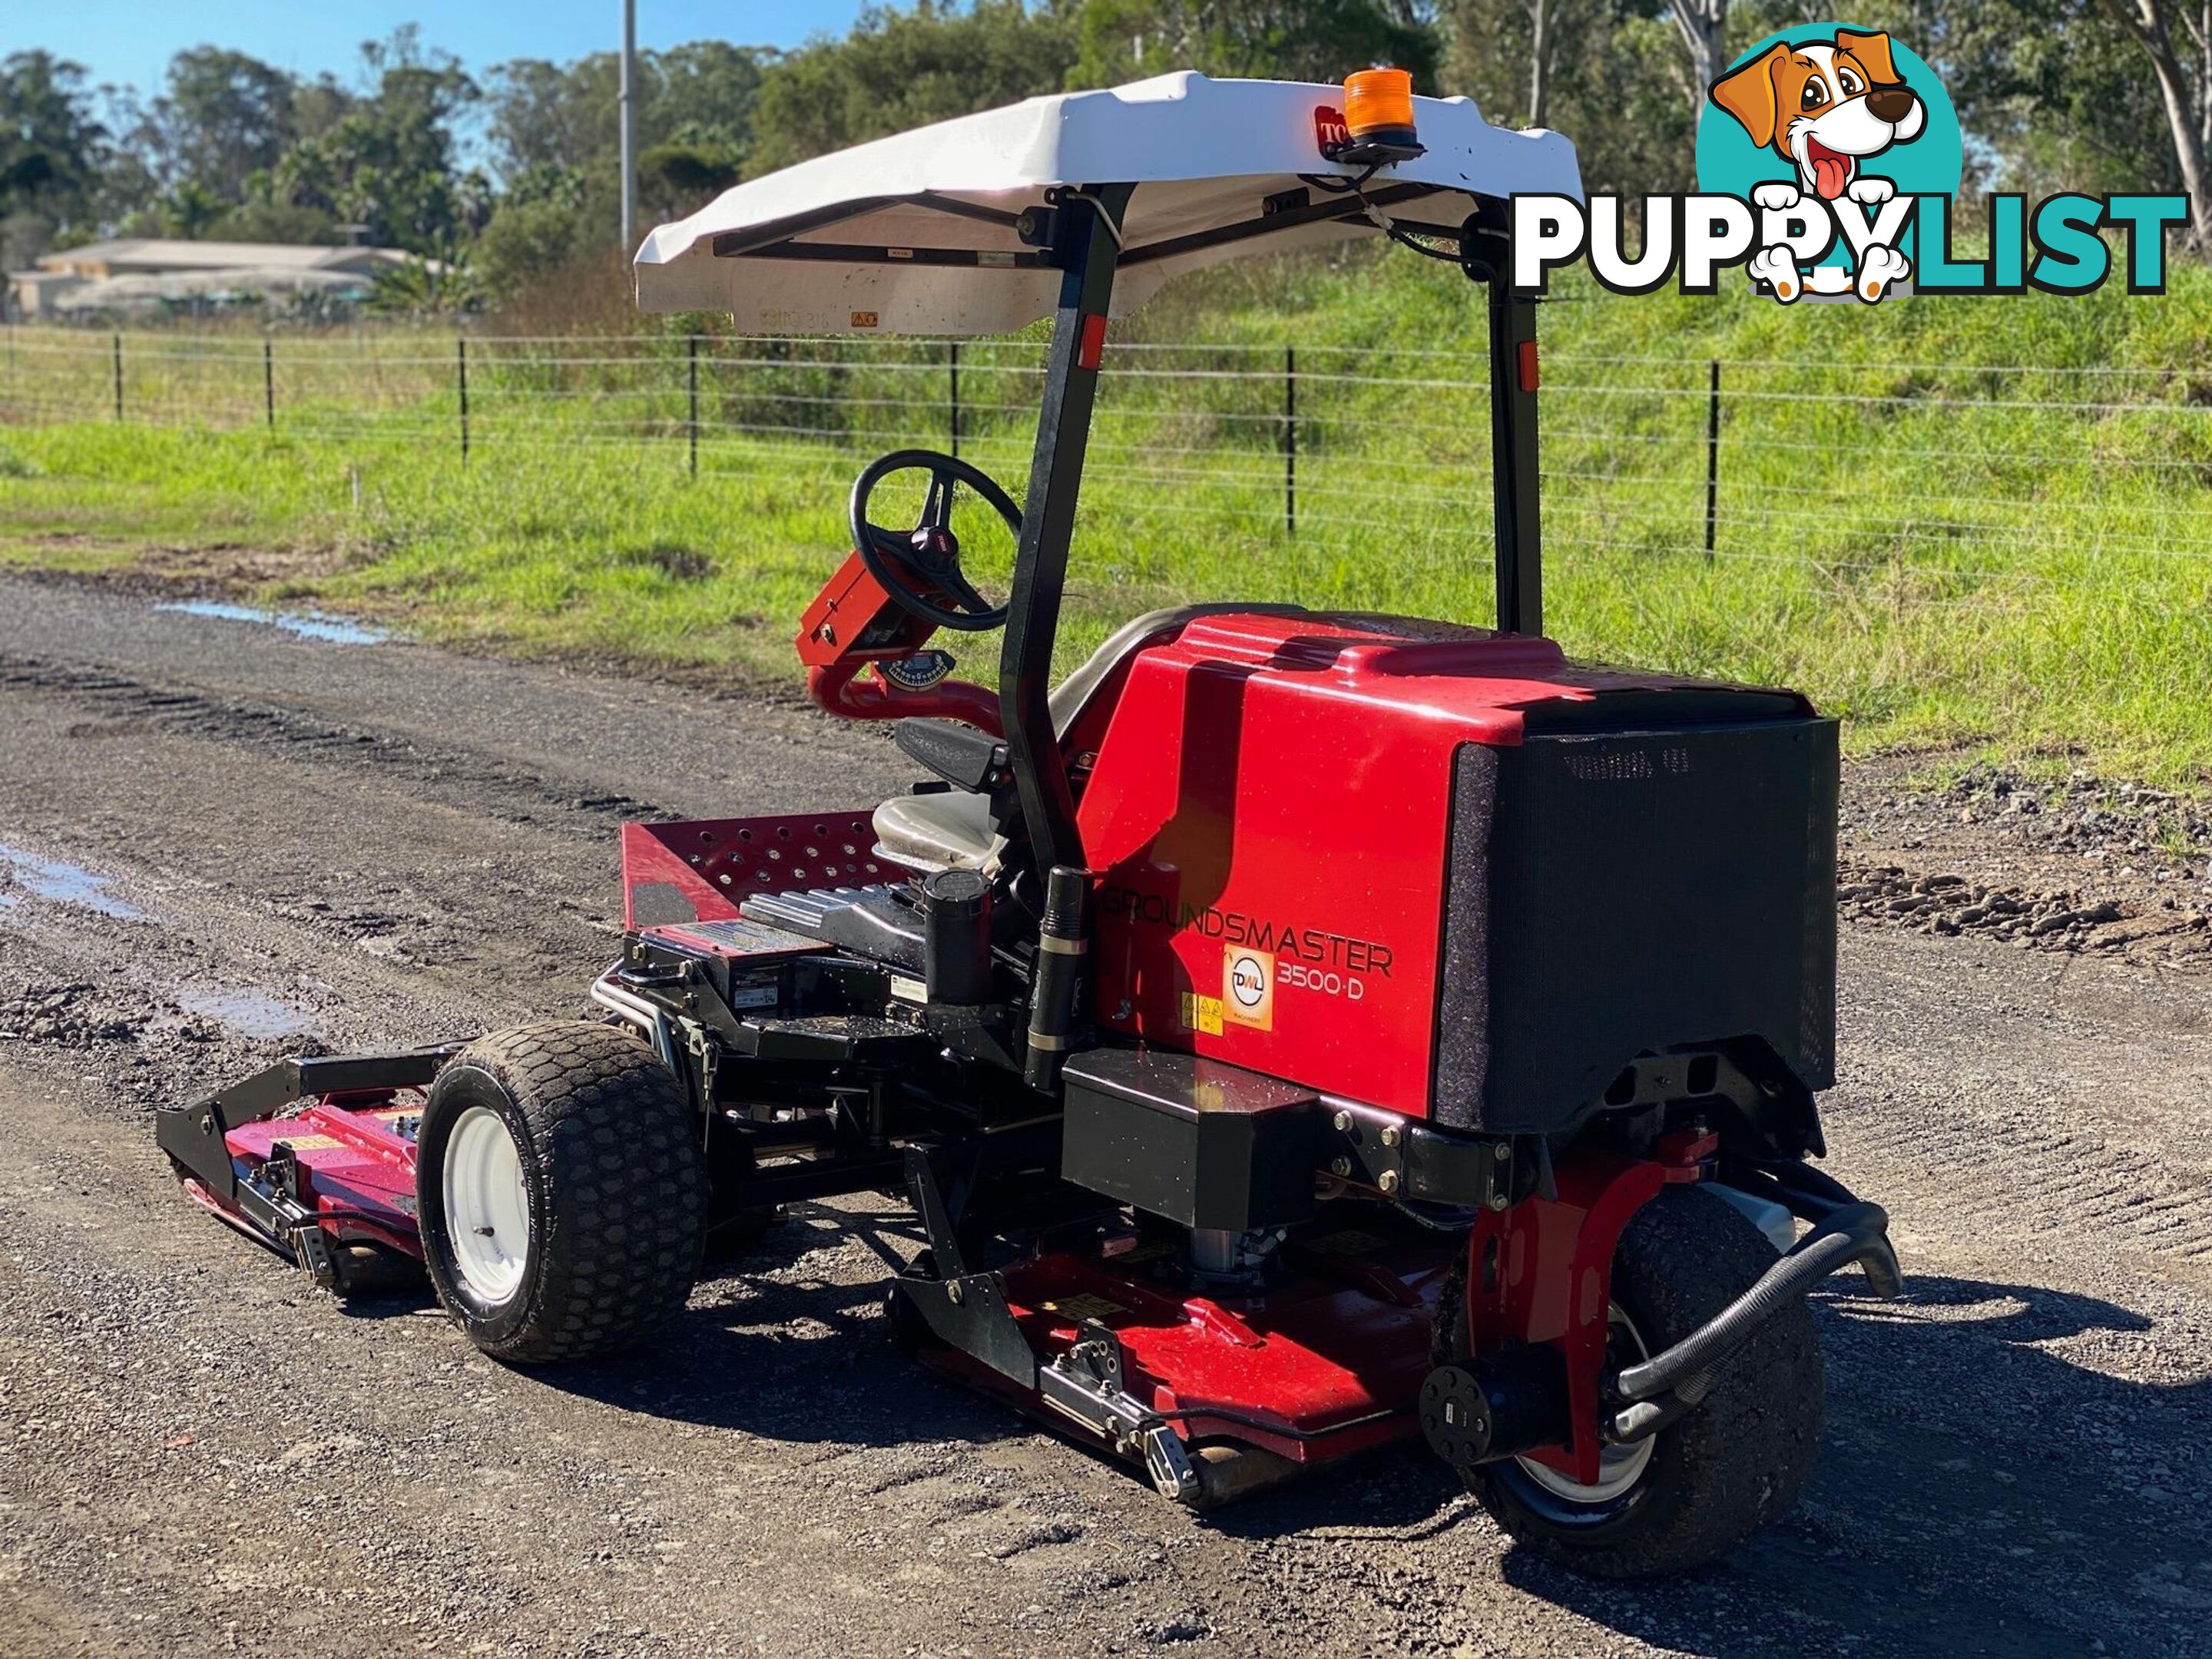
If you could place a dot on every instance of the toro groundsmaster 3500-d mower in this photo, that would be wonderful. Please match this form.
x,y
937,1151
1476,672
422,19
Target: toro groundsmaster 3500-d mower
x,y
1295,1031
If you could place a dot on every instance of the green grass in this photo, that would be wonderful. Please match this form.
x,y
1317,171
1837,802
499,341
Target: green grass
x,y
1952,564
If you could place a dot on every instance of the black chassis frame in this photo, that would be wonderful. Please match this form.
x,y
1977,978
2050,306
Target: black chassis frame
x,y
850,1086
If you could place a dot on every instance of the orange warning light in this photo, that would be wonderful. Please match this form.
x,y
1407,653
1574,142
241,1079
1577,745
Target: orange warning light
x,y
1378,103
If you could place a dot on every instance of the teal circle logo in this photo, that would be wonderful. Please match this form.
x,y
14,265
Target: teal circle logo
x,y
1841,113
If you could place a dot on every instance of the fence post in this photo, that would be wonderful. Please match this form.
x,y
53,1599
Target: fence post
x,y
461,373
952,380
268,383
694,375
117,341
1291,442
1712,458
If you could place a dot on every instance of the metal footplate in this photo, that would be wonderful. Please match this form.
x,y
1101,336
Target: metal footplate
x,y
1085,1384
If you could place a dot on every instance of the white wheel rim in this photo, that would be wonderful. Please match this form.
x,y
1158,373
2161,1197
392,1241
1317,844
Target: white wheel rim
x,y
487,1208
1619,1467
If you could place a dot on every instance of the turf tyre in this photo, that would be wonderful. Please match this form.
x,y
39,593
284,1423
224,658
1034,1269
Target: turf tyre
x,y
1736,1464
613,1176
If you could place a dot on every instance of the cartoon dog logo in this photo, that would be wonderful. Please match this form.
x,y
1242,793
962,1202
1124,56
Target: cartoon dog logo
x,y
1825,107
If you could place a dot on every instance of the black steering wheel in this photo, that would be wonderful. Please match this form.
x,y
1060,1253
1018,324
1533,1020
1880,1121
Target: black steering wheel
x,y
912,564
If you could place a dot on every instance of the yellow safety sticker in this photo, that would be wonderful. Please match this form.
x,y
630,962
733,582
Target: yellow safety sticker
x,y
1201,1013
310,1143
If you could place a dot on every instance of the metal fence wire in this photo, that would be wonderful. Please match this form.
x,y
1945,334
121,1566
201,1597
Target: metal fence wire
x,y
1949,481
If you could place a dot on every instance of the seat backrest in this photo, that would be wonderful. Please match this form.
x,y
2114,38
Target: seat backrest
x,y
1072,694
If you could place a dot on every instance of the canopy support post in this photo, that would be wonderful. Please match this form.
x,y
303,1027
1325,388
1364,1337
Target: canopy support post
x,y
1517,489
1515,484
1084,248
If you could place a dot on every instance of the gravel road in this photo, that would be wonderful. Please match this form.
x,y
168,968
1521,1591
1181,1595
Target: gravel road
x,y
218,841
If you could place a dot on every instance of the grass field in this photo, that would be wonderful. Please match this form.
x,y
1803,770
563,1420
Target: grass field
x,y
1957,522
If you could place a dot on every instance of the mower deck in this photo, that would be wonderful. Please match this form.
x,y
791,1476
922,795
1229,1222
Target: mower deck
x,y
1322,1361
335,1177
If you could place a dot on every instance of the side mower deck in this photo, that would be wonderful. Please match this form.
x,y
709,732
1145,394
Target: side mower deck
x,y
313,1157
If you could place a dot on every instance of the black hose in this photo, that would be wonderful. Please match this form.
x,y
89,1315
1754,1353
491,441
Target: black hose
x,y
1763,1184
1856,1232
1644,1419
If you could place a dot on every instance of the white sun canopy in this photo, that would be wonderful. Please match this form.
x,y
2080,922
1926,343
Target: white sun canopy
x,y
914,233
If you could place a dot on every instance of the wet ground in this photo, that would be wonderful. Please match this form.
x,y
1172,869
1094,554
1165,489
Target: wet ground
x,y
221,841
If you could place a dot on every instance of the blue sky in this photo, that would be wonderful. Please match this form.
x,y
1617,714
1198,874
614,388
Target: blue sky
x,y
129,41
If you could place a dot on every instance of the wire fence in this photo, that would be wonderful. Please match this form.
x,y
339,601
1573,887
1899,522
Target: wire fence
x,y
1918,484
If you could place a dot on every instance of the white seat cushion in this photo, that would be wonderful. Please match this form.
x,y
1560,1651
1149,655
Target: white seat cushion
x,y
1069,696
947,832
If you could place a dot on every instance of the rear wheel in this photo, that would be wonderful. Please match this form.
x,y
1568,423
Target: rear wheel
x,y
1695,1489
562,1190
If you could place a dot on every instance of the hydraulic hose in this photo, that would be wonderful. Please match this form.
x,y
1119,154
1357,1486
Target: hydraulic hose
x,y
1853,1232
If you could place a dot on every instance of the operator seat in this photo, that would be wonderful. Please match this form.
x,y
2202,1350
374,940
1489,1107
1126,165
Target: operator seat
x,y
953,830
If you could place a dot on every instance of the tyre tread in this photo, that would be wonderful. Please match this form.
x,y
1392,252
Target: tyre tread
x,y
1736,1463
617,1147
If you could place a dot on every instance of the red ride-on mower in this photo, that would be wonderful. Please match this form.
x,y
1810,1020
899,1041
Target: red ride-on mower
x,y
1296,1031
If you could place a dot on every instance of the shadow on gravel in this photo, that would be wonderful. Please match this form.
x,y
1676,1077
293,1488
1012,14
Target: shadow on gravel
x,y
773,1350
1985,1487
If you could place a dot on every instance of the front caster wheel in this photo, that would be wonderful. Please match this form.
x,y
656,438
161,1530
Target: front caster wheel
x,y
1698,1488
562,1190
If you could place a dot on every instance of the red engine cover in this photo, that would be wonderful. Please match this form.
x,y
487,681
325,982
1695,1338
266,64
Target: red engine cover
x,y
1270,811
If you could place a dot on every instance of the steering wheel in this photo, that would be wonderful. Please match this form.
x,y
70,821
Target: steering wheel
x,y
912,564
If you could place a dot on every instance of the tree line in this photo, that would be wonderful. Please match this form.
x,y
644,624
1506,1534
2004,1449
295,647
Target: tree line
x,y
510,172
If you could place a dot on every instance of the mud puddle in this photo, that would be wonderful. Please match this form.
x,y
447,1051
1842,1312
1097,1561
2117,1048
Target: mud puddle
x,y
64,883
307,624
248,1011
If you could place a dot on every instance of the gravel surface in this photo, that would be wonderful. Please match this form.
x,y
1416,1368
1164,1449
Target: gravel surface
x,y
222,843
2072,864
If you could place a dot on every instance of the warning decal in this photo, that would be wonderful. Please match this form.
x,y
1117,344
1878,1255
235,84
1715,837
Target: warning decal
x,y
1202,1014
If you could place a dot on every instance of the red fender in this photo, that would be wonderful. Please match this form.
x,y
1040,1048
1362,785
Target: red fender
x,y
1542,1272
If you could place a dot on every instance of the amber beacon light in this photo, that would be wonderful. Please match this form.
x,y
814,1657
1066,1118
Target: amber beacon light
x,y
1378,106
1378,120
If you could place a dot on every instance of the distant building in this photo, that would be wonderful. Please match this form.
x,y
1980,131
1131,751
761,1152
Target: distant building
x,y
148,274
